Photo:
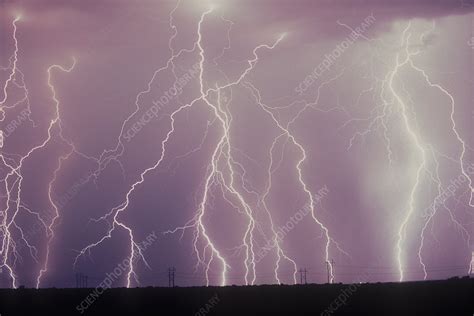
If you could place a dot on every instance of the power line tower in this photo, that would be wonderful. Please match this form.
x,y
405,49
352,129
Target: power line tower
x,y
171,273
303,276
81,280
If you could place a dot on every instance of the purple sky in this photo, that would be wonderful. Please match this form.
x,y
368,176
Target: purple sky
x,y
258,107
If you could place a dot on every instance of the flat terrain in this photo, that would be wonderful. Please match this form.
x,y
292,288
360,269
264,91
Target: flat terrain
x,y
450,298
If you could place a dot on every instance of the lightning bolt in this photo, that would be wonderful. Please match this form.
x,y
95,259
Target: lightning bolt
x,y
397,100
224,174
415,138
276,240
454,128
14,177
460,162
311,203
13,67
50,227
6,233
115,212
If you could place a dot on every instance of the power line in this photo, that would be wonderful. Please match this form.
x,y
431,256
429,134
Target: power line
x,y
344,271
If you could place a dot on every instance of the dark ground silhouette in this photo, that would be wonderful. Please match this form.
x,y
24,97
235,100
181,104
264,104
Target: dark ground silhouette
x,y
450,298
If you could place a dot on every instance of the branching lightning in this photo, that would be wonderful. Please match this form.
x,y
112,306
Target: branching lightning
x,y
396,100
395,118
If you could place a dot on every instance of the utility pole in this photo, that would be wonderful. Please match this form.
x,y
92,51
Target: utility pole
x,y
303,272
81,280
171,272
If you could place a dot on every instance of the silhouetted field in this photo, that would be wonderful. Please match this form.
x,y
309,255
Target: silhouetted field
x,y
450,298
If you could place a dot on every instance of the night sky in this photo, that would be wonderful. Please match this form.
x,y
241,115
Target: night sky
x,y
237,141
